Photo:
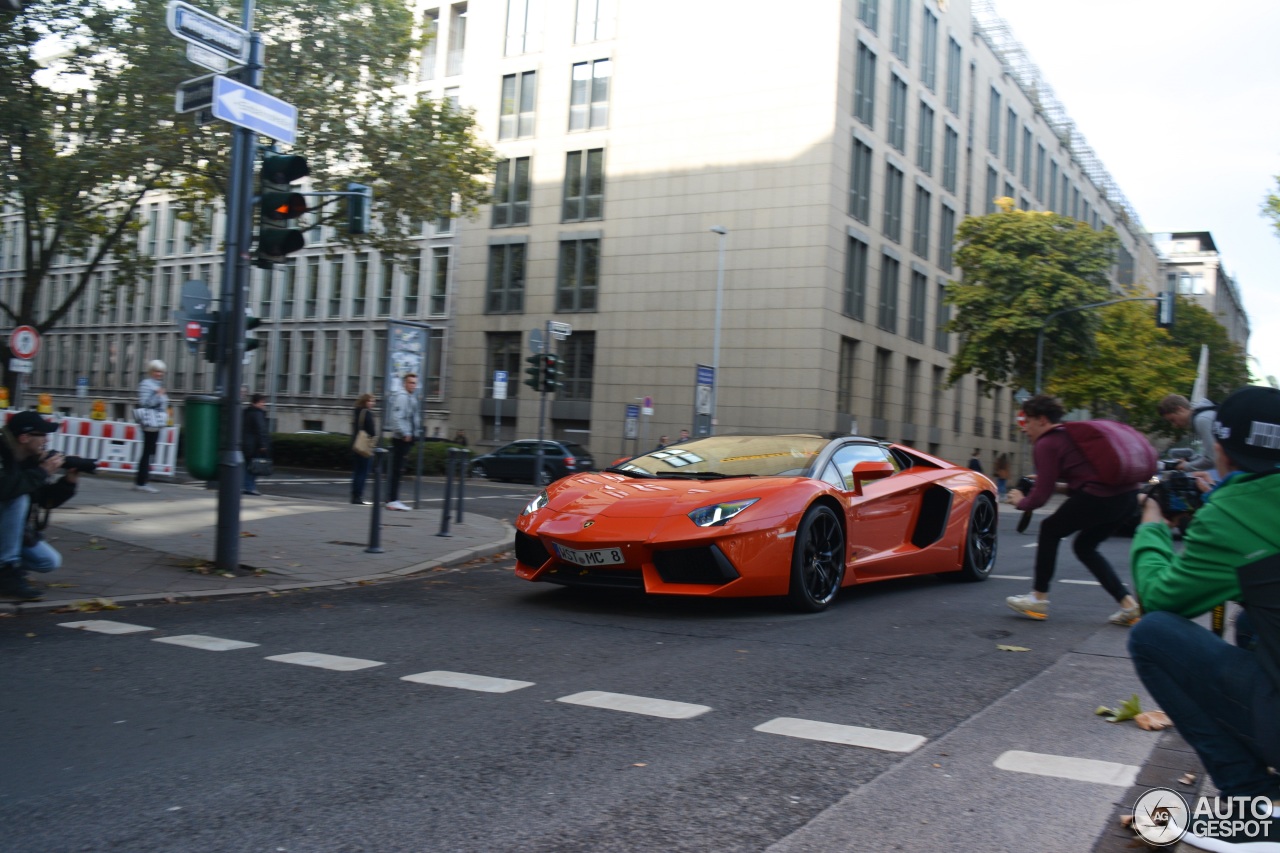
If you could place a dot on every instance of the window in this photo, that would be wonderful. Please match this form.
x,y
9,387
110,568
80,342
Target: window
x,y
864,86
439,280
897,112
504,353
954,66
511,193
1064,198
386,286
579,280
1008,190
360,299
846,374
993,123
910,388
337,269
929,51
860,182
153,229
924,139
855,280
1011,140
433,384
941,338
355,362
583,185
1075,202
413,285
329,362
1053,186
869,13
171,230
589,95
505,287
1026,156
595,20
950,158
457,39
523,35
578,360
289,272
431,32
284,361
993,189
915,311
901,37
311,288
519,93
888,309
920,222
1039,172
306,358
266,299
893,181
946,236
1085,214
883,388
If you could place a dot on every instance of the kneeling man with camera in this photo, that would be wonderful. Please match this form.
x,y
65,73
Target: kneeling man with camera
x,y
30,478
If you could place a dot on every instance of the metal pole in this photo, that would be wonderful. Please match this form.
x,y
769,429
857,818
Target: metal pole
x,y
375,517
463,455
448,492
715,354
542,411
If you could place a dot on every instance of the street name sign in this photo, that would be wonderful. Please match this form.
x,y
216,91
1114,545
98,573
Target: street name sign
x,y
194,94
20,365
558,330
208,31
207,58
255,110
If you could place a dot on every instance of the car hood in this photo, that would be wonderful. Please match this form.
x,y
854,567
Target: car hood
x,y
608,495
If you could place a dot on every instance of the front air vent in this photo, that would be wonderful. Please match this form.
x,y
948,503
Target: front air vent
x,y
694,565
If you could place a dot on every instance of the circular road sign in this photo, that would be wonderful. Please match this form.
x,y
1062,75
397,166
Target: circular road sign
x,y
24,342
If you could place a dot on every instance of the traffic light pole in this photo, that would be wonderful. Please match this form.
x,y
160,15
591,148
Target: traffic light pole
x,y
1044,324
235,280
542,408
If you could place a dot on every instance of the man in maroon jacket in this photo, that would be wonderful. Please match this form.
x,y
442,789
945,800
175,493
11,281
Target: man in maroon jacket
x,y
1091,509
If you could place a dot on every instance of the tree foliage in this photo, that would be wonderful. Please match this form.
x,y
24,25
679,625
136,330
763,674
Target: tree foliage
x,y
1019,267
1271,207
87,130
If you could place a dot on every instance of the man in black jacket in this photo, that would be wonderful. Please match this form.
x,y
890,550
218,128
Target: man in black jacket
x,y
255,439
27,473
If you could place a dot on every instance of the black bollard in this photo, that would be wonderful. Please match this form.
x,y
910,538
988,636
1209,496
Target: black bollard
x,y
448,490
464,460
375,517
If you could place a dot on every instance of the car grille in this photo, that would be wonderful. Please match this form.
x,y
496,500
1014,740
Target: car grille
x,y
530,550
694,565
566,575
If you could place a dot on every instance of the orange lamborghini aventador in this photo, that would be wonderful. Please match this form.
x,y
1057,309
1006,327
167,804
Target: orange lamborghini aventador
x,y
755,515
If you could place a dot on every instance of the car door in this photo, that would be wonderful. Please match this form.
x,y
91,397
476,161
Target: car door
x,y
507,461
879,518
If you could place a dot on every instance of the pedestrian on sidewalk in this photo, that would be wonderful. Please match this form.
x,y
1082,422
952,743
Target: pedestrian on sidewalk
x,y
975,463
1224,699
406,428
255,440
152,413
460,438
1092,511
26,472
1001,472
362,424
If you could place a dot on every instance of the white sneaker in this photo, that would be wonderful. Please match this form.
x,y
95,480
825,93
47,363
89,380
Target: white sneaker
x,y
398,506
1028,605
152,489
1126,616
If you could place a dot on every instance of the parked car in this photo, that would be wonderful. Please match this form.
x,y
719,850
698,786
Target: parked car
x,y
515,461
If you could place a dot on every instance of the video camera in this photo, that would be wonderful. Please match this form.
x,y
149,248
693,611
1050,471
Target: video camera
x,y
76,463
1177,492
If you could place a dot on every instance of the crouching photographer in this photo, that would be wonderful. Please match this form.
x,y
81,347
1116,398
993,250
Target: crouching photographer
x,y
32,482
1223,698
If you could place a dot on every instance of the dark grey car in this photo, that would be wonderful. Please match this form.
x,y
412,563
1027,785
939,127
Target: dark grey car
x,y
515,461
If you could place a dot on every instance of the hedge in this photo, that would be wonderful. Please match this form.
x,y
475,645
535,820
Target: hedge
x,y
333,452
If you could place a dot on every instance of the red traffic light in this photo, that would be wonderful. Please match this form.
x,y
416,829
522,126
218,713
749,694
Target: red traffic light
x,y
195,331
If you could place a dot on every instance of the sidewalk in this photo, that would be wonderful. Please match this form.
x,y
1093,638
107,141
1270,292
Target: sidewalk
x,y
128,546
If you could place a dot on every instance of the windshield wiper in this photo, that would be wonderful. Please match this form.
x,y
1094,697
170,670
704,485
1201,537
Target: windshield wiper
x,y
703,475
630,472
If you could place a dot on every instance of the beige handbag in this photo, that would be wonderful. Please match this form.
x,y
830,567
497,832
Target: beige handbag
x,y
364,444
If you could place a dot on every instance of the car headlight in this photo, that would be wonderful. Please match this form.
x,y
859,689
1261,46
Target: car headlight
x,y
536,504
717,514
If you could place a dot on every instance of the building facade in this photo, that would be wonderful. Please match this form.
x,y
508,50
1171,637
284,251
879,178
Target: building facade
x,y
1191,265
838,148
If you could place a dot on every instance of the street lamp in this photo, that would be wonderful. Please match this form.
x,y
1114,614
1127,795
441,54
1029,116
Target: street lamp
x,y
715,355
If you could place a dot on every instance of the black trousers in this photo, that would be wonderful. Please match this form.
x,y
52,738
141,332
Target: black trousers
x,y
1094,519
150,438
399,450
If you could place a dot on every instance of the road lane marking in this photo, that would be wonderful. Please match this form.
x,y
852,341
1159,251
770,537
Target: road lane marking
x,y
1067,767
1011,577
106,626
635,704
200,641
466,681
322,661
880,739
1083,583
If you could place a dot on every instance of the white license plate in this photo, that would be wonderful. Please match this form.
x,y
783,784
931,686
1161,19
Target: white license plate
x,y
599,557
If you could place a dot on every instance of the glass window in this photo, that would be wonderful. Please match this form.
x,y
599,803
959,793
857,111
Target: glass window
x,y
413,284
924,139
946,236
897,112
929,51
355,363
855,280
511,189
993,190
869,13
954,65
431,32
360,296
505,287
516,114
457,39
941,338
860,182
847,375
583,185
888,309
589,95
839,471
893,188
578,363
901,37
577,286
505,352
1011,140
311,288
523,35
336,286
993,123
920,223
1026,156
439,280
595,20
864,86
915,311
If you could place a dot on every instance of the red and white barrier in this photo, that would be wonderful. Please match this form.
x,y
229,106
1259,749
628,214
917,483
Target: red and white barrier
x,y
117,445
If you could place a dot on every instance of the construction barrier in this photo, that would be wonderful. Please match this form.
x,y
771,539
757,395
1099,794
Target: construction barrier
x,y
117,445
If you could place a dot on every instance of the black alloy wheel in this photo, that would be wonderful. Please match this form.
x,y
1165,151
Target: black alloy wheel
x,y
980,540
817,562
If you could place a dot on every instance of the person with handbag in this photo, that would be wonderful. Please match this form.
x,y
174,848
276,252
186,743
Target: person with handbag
x,y
151,414
255,442
364,438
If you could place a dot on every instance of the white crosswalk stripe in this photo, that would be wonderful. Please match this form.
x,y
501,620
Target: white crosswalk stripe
x,y
200,641
885,741
466,681
322,661
106,626
635,704
1068,767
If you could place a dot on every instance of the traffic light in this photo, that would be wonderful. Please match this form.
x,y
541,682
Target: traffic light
x,y
251,343
1164,309
211,336
358,208
280,204
533,373
550,372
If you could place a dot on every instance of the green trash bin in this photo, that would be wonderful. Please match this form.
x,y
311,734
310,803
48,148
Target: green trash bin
x,y
202,423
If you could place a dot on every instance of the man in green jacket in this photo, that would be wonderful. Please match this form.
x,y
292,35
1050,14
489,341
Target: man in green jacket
x,y
1223,698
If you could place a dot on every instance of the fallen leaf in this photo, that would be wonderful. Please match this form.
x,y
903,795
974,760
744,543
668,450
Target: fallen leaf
x,y
1126,820
30,635
1013,648
1128,709
1153,721
1187,779
244,534
60,585
640,764
94,604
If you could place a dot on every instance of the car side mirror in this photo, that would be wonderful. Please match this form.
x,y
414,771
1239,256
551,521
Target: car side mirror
x,y
864,472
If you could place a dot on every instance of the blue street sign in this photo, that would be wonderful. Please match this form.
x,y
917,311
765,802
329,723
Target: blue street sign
x,y
633,411
249,108
706,375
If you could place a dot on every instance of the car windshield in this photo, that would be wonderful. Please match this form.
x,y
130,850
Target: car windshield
x,y
577,450
731,456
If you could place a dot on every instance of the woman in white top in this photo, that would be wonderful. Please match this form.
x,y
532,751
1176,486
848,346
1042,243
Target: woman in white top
x,y
151,395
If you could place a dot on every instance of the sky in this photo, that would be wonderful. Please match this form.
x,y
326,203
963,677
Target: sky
x,y
1180,100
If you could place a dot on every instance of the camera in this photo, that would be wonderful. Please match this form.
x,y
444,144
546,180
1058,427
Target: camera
x,y
1024,485
76,463
1177,494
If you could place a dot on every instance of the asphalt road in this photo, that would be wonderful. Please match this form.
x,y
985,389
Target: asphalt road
x,y
119,742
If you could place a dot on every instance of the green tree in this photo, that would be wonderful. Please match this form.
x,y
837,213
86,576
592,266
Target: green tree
x,y
1018,268
1195,326
87,131
1271,207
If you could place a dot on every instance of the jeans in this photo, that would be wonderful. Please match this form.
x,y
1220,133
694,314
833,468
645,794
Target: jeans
x,y
359,474
40,557
150,438
1095,518
1218,696
399,450
250,481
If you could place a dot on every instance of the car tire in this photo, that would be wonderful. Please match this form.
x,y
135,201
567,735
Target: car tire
x,y
981,539
817,560
478,472
546,478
